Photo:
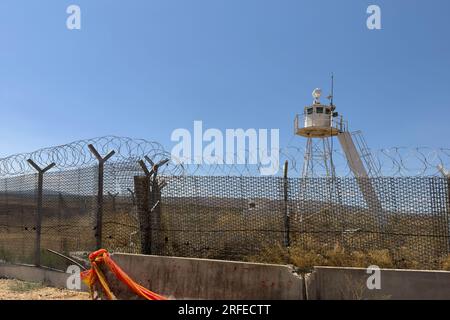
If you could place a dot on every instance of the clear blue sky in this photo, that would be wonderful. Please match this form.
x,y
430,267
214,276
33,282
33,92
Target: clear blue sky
x,y
144,68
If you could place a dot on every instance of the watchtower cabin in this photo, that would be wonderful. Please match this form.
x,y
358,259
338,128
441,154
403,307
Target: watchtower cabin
x,y
318,120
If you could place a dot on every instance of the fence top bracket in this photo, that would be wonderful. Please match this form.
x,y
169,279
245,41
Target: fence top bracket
x,y
155,167
98,156
39,169
144,168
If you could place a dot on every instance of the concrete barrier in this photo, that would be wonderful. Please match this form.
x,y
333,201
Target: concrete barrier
x,y
336,283
47,277
188,278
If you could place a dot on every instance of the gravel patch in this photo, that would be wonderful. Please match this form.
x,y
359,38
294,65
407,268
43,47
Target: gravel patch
x,y
21,290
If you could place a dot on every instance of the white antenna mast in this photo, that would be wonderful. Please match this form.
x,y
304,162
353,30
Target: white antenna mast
x,y
331,96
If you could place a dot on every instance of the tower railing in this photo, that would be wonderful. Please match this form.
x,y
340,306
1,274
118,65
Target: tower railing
x,y
337,122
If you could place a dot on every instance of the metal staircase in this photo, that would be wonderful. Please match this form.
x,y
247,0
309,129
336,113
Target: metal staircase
x,y
373,170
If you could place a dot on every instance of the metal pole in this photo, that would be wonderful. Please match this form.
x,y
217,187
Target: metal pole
x,y
155,204
67,258
155,214
37,254
446,174
99,220
142,192
287,241
447,205
113,199
148,199
101,163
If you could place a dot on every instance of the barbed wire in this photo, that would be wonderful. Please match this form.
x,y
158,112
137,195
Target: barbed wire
x,y
77,154
389,162
395,161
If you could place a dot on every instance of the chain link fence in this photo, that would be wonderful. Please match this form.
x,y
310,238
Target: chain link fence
x,y
219,217
238,217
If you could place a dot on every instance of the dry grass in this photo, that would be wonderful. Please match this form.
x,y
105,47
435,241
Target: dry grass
x,y
312,254
445,263
306,259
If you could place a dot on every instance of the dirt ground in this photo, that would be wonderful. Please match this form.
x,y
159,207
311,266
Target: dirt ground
x,y
20,290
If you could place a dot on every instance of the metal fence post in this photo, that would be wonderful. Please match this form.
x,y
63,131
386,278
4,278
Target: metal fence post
x,y
101,166
446,174
287,240
113,199
133,198
148,196
37,254
142,193
447,205
156,185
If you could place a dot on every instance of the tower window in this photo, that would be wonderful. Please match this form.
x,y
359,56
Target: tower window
x,y
327,111
309,110
319,109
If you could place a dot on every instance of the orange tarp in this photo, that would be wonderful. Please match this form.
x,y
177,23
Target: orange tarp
x,y
95,275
